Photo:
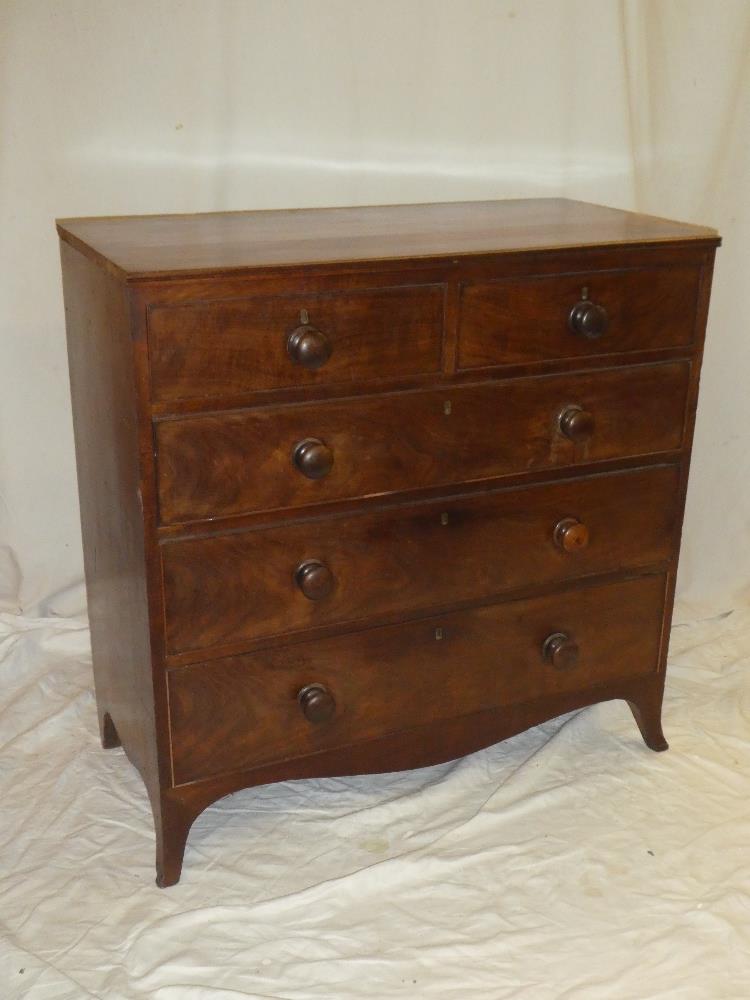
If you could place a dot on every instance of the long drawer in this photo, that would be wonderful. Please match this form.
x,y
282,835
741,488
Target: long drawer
x,y
239,712
546,318
287,578
275,457
216,349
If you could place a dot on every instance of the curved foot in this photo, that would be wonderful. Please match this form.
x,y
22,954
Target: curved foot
x,y
173,822
165,879
107,732
647,713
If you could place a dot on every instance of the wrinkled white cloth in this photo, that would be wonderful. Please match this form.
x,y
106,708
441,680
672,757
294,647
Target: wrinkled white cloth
x,y
569,862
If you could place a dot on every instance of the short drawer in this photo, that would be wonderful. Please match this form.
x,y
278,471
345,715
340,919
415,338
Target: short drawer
x,y
217,349
269,581
271,458
548,318
240,712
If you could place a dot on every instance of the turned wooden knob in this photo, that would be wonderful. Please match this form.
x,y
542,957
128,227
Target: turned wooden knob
x,y
560,650
314,579
308,346
588,319
576,423
570,535
313,458
317,703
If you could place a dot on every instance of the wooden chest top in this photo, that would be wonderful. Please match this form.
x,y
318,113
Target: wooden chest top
x,y
143,247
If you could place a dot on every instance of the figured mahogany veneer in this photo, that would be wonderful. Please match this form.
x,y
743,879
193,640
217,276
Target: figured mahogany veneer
x,y
239,711
366,489
222,348
506,322
230,463
224,589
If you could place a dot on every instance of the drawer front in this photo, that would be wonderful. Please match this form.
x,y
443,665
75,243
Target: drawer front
x,y
527,320
288,457
269,581
225,348
240,712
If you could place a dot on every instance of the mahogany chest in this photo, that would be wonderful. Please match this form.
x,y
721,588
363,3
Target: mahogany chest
x,y
365,489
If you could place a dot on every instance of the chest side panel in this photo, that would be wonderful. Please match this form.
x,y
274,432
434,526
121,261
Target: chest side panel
x,y
109,433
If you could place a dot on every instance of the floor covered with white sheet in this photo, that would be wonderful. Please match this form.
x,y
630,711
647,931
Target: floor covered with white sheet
x,y
569,862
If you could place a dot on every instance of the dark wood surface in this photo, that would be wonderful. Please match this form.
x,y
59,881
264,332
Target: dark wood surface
x,y
452,274
226,590
365,489
222,348
106,428
514,321
163,245
243,711
225,464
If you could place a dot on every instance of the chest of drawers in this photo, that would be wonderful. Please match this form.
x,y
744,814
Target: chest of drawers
x,y
369,489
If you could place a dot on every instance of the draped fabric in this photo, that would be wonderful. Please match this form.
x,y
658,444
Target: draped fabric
x,y
569,863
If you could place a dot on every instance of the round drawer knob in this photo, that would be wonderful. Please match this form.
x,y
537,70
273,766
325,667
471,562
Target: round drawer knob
x,y
317,703
313,458
308,346
314,579
576,423
588,319
570,535
561,651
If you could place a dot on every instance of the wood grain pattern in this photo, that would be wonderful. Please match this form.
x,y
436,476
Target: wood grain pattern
x,y
508,322
143,247
243,711
106,426
218,465
219,348
226,588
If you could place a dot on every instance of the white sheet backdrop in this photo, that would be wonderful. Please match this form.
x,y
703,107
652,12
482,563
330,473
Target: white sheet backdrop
x,y
111,107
